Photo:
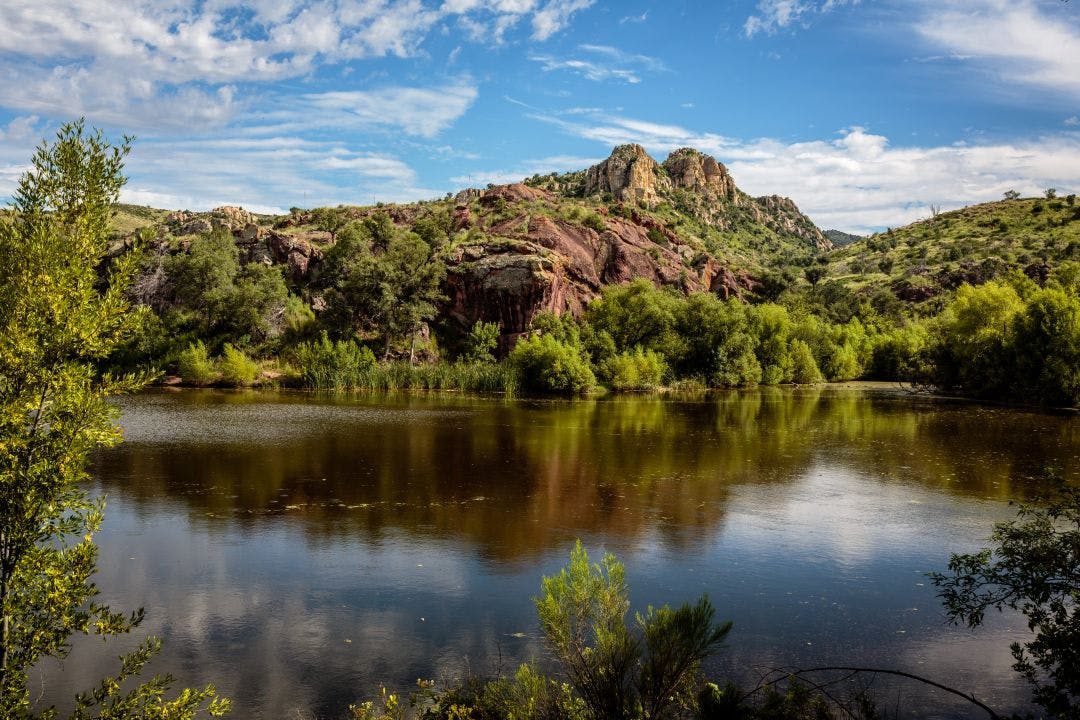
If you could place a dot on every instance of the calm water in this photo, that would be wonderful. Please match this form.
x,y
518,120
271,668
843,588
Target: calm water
x,y
299,551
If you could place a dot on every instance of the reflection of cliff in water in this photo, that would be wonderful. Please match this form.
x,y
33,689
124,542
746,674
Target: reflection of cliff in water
x,y
517,477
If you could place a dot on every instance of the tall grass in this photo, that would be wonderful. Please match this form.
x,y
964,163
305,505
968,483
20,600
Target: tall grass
x,y
327,365
345,365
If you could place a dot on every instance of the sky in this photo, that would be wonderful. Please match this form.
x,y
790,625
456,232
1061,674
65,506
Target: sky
x,y
866,113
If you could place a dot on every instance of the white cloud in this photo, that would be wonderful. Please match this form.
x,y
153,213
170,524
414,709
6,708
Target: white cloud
x,y
1021,41
268,174
1073,121
858,181
167,64
588,69
775,15
542,166
417,111
555,15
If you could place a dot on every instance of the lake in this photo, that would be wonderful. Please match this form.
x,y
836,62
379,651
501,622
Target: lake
x,y
301,550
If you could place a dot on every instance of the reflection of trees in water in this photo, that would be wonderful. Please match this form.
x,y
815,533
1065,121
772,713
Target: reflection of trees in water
x,y
517,478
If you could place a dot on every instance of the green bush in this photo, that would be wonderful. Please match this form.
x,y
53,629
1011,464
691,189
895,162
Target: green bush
x,y
636,369
481,342
804,368
237,369
594,221
327,365
618,673
547,365
195,366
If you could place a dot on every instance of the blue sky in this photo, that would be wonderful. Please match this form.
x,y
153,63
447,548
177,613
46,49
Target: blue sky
x,y
865,113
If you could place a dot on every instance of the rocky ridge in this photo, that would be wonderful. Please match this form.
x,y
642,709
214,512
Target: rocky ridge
x,y
629,174
520,249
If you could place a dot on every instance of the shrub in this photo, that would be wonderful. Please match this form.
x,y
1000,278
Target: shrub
x,y
547,365
594,221
237,369
804,368
327,365
195,366
481,342
618,673
636,369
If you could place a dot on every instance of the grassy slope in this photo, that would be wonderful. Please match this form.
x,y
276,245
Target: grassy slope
x,y
980,241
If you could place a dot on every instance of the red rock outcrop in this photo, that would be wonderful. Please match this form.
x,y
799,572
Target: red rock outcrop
x,y
540,263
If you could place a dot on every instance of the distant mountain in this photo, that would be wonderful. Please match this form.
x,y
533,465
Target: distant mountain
x,y
839,238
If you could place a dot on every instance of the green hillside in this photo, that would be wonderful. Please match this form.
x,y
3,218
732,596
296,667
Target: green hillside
x,y
920,263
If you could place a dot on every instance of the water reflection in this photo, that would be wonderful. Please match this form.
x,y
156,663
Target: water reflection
x,y
300,550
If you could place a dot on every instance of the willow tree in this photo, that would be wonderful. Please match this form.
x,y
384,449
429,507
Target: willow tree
x,y
61,314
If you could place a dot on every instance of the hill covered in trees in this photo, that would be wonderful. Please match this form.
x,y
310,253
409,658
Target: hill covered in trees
x,y
632,272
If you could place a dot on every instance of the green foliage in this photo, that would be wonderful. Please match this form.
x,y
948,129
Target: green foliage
x,y
327,365
972,339
635,369
330,220
637,315
1046,345
545,364
299,318
772,326
718,342
481,342
1031,568
215,296
237,369
653,673
195,366
991,342
804,369
202,278
58,318
595,222
382,280
900,354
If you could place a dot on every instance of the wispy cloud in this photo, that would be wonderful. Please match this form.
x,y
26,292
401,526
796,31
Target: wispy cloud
x,y
603,63
1023,42
857,181
555,15
416,111
528,168
775,15
266,174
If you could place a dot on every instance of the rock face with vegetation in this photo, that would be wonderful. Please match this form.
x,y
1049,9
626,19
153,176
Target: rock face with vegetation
x,y
629,174
547,245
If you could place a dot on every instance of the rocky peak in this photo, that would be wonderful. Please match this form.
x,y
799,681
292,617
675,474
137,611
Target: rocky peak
x,y
694,170
629,174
